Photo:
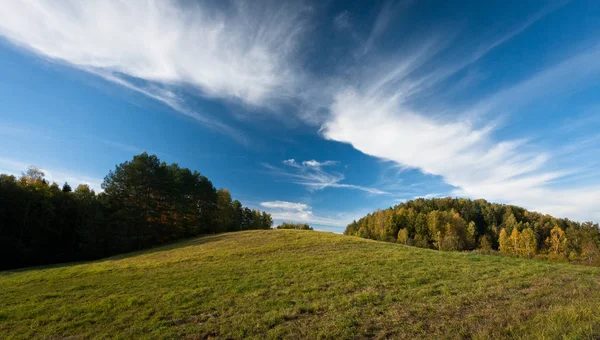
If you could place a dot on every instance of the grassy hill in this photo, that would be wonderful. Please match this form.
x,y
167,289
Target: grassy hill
x,y
300,284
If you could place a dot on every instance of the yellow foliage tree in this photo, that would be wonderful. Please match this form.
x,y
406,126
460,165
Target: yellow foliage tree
x,y
403,236
527,243
557,242
471,235
514,240
504,242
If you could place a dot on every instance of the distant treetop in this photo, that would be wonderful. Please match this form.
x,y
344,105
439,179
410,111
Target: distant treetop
x,y
297,226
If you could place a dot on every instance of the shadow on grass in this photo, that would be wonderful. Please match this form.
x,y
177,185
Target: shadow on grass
x,y
182,243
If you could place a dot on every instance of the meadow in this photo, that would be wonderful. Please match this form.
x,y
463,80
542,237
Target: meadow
x,y
268,284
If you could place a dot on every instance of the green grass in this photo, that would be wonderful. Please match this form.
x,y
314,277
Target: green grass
x,y
300,284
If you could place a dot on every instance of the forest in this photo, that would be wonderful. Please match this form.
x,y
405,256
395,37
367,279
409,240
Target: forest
x,y
461,224
144,203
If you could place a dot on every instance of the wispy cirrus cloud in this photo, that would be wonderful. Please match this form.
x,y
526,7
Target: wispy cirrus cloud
x,y
466,154
311,163
312,175
174,101
249,53
244,51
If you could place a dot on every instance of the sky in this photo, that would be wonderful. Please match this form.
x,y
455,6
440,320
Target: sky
x,y
317,112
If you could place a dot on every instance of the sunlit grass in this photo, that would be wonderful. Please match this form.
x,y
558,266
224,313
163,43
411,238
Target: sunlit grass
x,y
300,284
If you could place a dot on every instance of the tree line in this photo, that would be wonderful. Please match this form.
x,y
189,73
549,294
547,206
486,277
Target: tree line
x,y
144,203
296,226
463,225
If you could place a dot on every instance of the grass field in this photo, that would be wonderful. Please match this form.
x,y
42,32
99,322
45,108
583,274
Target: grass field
x,y
300,284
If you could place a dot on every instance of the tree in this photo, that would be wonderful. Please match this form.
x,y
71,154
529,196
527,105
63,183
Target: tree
x,y
461,224
135,192
471,235
514,240
448,230
590,251
238,214
145,203
296,226
33,174
266,221
437,227
557,243
224,211
485,243
527,243
504,242
403,236
66,188
246,218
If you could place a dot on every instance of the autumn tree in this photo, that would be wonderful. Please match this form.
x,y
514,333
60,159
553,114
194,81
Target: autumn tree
x,y
403,236
557,243
527,243
463,224
504,242
514,240
471,235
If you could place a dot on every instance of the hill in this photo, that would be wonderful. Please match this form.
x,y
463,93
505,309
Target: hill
x,y
300,284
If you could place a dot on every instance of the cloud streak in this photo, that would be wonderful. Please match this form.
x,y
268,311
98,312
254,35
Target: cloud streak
x,y
244,52
250,53
311,175
372,114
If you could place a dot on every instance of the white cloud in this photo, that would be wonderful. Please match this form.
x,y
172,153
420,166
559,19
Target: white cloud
x,y
311,175
283,211
247,52
316,164
172,100
552,81
243,52
290,162
428,196
285,205
371,114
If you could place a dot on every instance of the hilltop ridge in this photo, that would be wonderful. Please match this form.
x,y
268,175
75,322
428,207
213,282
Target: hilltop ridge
x,y
300,284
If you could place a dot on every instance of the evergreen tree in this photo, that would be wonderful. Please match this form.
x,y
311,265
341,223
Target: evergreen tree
x,y
238,215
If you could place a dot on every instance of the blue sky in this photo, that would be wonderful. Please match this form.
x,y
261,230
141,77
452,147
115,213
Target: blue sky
x,y
317,112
